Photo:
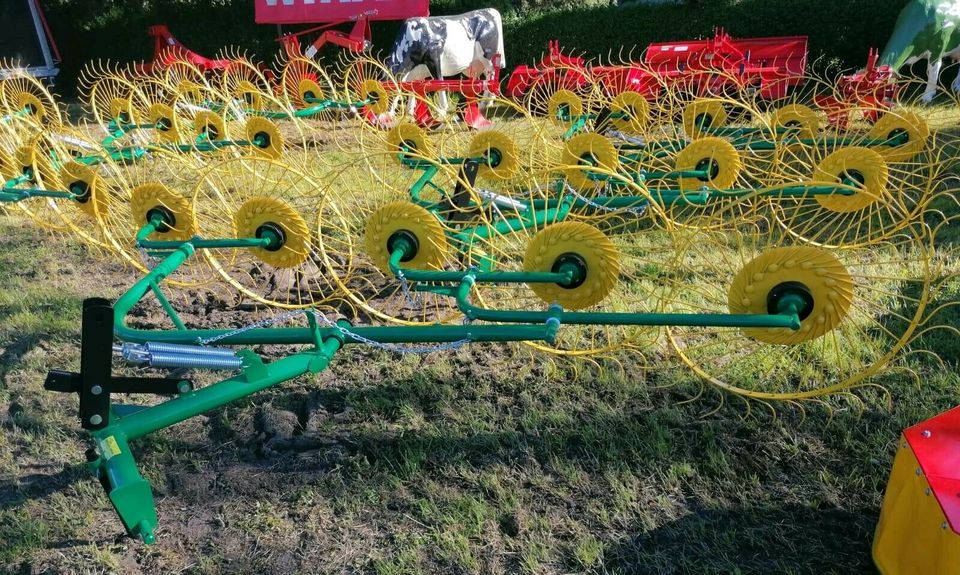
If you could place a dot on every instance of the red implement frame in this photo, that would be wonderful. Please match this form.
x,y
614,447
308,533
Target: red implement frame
x,y
771,66
167,49
471,89
332,13
874,88
936,445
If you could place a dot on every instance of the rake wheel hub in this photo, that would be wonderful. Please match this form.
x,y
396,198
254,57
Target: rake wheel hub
x,y
167,220
274,233
855,176
710,166
790,292
80,191
406,241
494,157
261,140
575,265
898,137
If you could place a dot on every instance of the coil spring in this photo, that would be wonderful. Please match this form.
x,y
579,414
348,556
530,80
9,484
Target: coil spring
x,y
176,356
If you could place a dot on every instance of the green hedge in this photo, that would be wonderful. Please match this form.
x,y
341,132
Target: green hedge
x,y
839,31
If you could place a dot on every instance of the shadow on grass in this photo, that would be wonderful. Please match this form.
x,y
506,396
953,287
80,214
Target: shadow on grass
x,y
35,486
773,538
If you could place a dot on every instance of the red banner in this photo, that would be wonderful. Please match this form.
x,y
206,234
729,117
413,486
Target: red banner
x,y
321,11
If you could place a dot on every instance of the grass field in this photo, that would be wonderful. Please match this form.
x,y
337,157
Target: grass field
x,y
487,459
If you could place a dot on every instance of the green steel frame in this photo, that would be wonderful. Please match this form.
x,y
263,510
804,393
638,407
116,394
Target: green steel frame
x,y
742,138
111,459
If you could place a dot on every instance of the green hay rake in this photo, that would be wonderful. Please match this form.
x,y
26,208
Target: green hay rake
x,y
570,250
114,426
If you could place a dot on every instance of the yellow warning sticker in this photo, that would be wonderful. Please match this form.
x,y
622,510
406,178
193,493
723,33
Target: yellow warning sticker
x,y
110,447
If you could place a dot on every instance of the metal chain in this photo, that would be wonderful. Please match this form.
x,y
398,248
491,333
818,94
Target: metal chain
x,y
254,325
407,293
638,211
625,137
392,347
149,261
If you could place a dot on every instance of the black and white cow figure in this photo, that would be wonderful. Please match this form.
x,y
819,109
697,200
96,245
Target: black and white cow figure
x,y
440,47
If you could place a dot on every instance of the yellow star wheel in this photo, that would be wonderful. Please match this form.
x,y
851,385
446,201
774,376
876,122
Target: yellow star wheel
x,y
700,116
631,112
166,126
577,246
564,106
378,101
156,200
795,121
901,125
812,271
309,90
264,137
83,181
27,101
260,216
122,109
413,223
862,168
500,152
250,95
29,157
211,124
407,141
585,151
715,156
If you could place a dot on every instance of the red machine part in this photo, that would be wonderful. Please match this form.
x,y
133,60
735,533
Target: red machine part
x,y
358,40
874,88
335,13
167,49
772,66
936,445
472,89
328,11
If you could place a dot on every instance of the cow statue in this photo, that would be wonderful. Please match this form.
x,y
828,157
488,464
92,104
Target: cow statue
x,y
925,29
440,47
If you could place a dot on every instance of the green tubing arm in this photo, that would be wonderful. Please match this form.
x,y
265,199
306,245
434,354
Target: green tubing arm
x,y
576,127
19,114
201,243
506,226
204,399
458,276
422,164
676,174
10,193
196,242
792,191
305,335
147,229
320,106
167,308
129,492
789,319
428,173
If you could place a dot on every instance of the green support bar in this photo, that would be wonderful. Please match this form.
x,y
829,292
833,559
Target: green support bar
x,y
787,319
401,248
425,179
